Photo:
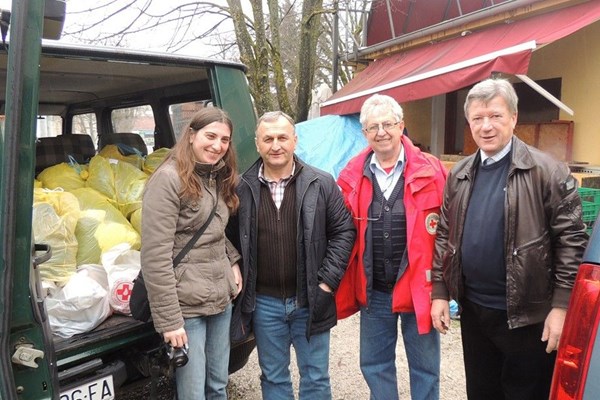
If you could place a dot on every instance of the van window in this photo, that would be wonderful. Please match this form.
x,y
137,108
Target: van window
x,y
49,125
139,119
182,113
86,124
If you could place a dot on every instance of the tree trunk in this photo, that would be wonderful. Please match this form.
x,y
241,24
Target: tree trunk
x,y
279,77
309,34
253,53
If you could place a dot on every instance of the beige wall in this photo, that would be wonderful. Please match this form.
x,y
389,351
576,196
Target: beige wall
x,y
576,59
417,119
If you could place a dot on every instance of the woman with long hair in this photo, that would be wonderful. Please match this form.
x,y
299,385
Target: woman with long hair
x,y
191,303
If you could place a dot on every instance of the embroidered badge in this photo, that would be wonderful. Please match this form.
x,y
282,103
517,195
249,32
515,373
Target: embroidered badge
x,y
431,223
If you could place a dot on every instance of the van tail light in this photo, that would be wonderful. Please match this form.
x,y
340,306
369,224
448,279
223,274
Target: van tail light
x,y
578,336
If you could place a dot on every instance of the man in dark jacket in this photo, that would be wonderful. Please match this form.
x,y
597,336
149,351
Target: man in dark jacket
x,y
295,236
509,242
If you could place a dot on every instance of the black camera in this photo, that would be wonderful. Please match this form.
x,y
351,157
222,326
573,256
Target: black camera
x,y
178,356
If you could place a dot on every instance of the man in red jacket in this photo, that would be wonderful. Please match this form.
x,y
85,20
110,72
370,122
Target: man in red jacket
x,y
394,192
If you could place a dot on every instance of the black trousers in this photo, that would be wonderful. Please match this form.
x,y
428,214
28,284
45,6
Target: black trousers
x,y
502,363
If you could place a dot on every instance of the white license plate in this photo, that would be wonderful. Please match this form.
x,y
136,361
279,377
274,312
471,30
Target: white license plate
x,y
99,389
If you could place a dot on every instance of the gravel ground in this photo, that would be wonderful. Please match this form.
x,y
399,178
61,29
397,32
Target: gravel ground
x,y
346,379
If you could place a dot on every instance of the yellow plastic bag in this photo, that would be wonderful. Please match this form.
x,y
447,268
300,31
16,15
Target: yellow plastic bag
x,y
100,227
111,151
55,216
154,159
129,186
136,220
64,175
102,178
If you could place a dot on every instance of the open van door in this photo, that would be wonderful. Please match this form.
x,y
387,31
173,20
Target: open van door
x,y
26,367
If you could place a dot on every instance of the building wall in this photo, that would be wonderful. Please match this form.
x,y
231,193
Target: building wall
x,y
417,119
576,59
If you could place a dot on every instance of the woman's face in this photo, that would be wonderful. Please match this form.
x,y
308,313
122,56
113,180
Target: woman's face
x,y
210,143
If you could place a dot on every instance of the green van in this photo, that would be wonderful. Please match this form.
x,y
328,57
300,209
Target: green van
x,y
61,103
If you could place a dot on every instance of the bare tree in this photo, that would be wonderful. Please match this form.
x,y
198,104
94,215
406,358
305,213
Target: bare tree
x,y
279,44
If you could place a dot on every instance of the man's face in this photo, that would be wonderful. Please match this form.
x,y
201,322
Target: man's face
x,y
276,142
383,132
492,124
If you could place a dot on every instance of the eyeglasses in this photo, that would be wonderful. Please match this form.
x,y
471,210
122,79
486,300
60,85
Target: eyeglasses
x,y
386,126
389,183
371,219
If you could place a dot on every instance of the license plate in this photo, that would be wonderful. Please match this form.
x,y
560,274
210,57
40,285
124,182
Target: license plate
x,y
98,389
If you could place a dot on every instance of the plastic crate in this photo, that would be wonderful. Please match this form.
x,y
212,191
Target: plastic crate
x,y
590,202
589,194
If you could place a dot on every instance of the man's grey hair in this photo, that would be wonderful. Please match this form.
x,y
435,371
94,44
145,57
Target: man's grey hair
x,y
272,116
377,102
486,90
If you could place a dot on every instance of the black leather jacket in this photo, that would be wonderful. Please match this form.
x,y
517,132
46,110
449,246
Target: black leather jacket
x,y
544,235
326,236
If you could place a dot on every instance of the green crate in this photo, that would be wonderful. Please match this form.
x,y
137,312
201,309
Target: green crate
x,y
589,194
590,203
590,210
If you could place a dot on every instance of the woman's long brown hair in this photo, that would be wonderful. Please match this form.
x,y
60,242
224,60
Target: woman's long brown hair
x,y
182,153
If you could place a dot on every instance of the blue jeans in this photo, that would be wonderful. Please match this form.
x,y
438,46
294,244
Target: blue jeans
x,y
279,323
378,337
207,371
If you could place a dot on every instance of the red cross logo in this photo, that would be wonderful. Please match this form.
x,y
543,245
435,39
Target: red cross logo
x,y
123,291
431,223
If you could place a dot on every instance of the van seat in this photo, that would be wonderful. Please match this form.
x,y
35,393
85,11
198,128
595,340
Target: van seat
x,y
126,138
55,150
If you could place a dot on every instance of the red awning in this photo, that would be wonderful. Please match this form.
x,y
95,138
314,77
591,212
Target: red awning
x,y
453,64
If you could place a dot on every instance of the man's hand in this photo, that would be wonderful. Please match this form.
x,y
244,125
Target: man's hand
x,y
238,278
553,327
440,315
325,287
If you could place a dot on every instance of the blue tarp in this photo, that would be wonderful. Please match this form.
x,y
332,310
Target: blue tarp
x,y
329,142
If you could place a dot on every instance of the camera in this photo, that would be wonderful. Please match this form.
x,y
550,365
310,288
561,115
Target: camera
x,y
178,356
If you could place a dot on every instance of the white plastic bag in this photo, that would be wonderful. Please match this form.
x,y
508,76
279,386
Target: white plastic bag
x,y
82,304
122,265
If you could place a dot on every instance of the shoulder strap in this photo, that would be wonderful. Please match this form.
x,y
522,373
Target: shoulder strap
x,y
196,236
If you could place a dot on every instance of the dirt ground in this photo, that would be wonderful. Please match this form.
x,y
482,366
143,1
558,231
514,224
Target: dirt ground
x,y
346,379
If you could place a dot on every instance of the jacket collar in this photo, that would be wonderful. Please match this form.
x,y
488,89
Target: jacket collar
x,y
251,174
520,159
208,170
416,165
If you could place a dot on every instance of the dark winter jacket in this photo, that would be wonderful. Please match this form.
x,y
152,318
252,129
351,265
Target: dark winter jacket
x,y
544,236
325,238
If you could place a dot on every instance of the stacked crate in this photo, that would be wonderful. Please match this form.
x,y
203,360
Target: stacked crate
x,y
590,200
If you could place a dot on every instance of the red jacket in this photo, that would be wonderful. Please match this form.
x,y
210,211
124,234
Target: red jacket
x,y
424,179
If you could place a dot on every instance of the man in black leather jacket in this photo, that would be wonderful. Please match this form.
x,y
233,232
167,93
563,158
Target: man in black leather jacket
x,y
509,242
295,236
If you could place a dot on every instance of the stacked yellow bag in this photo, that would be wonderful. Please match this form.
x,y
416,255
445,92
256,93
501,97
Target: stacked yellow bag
x,y
154,159
122,183
112,152
100,227
102,178
129,187
136,220
64,175
55,216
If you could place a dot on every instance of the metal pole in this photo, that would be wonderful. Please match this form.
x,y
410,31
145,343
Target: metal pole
x,y
335,71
